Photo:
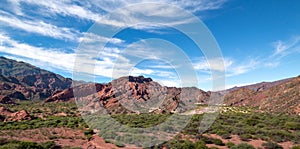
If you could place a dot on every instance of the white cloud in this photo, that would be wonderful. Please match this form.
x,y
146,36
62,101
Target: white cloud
x,y
137,72
38,27
147,13
283,48
192,6
15,6
170,83
65,8
242,68
273,64
53,59
93,11
93,38
57,59
225,64
218,64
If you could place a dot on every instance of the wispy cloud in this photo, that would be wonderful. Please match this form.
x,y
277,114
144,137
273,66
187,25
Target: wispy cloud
x,y
42,21
64,8
95,10
93,38
38,27
227,65
283,48
242,68
218,64
192,6
53,57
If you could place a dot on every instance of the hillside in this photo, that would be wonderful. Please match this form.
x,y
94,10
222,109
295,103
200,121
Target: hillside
x,y
22,81
283,97
12,68
133,95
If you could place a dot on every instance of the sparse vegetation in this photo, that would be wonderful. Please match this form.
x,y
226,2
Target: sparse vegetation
x,y
51,121
244,122
272,145
242,146
13,144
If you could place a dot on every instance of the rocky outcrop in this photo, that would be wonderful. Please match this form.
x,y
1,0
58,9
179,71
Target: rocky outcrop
x,y
8,115
5,112
132,95
64,95
6,100
18,116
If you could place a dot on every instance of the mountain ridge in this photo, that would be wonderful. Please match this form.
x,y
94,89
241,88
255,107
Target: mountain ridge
x,y
21,81
17,83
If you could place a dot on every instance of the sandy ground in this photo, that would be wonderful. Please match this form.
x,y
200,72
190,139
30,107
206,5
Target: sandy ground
x,y
76,138
61,136
236,140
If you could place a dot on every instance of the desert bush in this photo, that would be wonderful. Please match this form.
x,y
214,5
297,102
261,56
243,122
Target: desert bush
x,y
200,145
292,125
229,144
242,146
296,147
49,145
245,137
179,144
272,145
218,142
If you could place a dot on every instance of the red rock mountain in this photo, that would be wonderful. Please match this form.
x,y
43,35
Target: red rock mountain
x,y
133,95
282,97
139,94
21,81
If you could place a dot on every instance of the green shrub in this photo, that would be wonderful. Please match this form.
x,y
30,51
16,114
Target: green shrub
x,y
226,136
29,145
218,142
119,144
242,146
292,125
296,147
245,137
230,144
207,140
180,144
200,145
50,145
272,145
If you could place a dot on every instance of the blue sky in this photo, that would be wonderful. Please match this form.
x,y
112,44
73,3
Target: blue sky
x,y
259,40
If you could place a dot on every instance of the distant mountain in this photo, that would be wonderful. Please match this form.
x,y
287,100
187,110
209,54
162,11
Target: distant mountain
x,y
141,94
133,95
259,86
278,96
12,68
22,81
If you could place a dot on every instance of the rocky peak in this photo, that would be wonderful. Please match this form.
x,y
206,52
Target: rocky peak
x,y
139,79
